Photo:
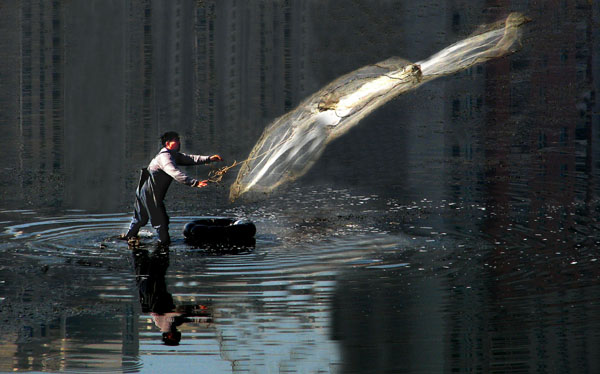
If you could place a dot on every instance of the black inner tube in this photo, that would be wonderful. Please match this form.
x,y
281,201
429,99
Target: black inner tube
x,y
219,229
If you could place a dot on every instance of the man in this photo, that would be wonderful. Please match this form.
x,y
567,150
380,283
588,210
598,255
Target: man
x,y
154,183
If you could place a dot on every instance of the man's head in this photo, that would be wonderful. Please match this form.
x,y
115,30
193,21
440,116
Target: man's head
x,y
171,338
170,140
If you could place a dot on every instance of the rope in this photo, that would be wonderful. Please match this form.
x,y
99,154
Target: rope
x,y
215,176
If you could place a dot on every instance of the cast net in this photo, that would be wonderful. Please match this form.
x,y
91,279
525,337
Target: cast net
x,y
291,144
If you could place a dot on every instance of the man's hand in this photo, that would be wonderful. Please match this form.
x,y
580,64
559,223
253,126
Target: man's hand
x,y
203,183
215,158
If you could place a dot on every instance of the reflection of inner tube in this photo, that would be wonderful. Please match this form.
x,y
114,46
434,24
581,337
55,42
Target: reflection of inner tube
x,y
220,230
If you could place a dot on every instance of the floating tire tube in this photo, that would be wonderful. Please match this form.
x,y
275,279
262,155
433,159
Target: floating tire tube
x,y
219,229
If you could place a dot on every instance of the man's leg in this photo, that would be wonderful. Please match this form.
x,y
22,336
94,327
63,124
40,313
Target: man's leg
x,y
140,218
160,222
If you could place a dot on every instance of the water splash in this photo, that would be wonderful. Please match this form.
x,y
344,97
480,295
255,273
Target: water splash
x,y
292,143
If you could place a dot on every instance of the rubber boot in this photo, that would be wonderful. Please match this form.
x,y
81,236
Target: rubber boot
x,y
163,235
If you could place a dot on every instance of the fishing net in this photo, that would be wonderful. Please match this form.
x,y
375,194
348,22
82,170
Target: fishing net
x,y
292,143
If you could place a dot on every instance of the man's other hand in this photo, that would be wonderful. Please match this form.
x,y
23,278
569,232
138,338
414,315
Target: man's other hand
x,y
203,183
216,158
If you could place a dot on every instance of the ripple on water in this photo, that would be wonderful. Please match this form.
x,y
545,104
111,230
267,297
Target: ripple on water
x,y
87,235
72,236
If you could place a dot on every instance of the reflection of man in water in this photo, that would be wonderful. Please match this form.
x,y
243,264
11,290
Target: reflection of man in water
x,y
155,181
154,298
150,270
167,323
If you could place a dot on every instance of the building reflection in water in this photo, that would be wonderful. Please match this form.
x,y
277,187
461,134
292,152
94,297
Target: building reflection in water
x,y
518,313
86,341
388,322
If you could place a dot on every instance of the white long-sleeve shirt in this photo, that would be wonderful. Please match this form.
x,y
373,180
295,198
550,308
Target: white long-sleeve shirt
x,y
164,167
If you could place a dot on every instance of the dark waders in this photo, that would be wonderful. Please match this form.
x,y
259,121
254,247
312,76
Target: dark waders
x,y
148,207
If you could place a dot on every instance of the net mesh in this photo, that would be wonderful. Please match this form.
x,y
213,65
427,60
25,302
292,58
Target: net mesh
x,y
291,144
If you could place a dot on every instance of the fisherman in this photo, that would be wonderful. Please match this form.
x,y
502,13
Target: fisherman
x,y
154,183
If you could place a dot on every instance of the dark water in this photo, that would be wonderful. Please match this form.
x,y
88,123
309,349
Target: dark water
x,y
454,230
